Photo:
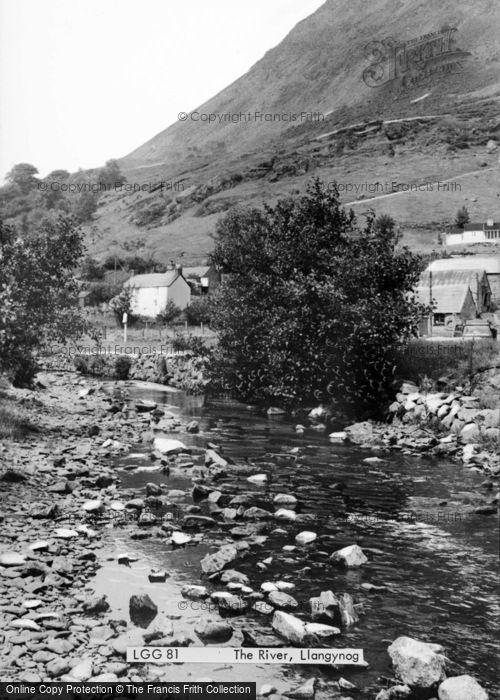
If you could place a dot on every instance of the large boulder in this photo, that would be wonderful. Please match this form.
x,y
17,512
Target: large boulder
x,y
211,563
360,433
419,664
289,627
461,688
142,610
349,556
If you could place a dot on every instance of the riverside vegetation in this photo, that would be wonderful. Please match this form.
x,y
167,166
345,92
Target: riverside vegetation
x,y
314,315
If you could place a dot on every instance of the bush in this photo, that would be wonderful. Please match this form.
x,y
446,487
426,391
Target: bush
x,y
198,311
122,366
81,364
192,343
170,313
122,304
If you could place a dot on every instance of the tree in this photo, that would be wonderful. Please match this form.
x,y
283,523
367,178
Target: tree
x,y
462,217
23,175
198,311
312,306
38,292
170,313
122,304
111,174
91,269
85,206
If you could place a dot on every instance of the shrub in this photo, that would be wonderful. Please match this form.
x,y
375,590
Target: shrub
x,y
170,313
122,366
193,343
81,364
198,311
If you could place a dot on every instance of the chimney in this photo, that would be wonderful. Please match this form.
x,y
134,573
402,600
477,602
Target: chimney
x,y
178,268
489,222
171,265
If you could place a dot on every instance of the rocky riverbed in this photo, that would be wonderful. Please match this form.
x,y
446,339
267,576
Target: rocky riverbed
x,y
128,521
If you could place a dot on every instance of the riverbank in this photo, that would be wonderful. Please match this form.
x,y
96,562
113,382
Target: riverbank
x,y
83,428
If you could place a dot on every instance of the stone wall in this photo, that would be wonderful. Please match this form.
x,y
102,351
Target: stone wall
x,y
454,413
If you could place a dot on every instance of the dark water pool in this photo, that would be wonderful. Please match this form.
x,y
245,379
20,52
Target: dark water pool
x,y
412,516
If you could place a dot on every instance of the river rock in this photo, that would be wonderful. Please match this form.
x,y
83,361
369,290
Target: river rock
x,y
305,537
257,479
285,514
461,688
233,576
289,627
65,533
255,513
142,610
194,592
360,433
180,539
214,630
229,602
417,663
338,437
153,489
94,506
326,607
157,576
306,690
320,631
192,427
168,446
349,556
12,559
283,601
132,638
212,563
82,671
95,604
285,499
57,667
213,457
348,614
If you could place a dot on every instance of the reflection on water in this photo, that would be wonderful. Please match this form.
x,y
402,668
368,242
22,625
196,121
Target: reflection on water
x,y
412,517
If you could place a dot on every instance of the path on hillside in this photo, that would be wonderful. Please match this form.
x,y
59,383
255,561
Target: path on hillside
x,y
437,182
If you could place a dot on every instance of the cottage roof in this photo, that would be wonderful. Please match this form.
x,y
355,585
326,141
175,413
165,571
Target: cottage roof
x,y
489,263
482,226
154,279
468,276
197,271
448,299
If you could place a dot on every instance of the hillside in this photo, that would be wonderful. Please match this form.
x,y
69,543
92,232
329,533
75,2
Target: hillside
x,y
423,115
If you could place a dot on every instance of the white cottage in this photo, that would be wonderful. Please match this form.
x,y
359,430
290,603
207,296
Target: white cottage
x,y
153,291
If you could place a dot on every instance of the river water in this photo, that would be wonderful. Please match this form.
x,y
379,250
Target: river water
x,y
438,567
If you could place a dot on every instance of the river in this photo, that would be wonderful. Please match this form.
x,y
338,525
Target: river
x,y
412,516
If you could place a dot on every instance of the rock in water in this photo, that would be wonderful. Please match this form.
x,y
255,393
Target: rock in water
x,y
82,671
142,610
305,537
168,446
417,663
349,556
461,688
214,630
283,601
306,690
289,627
216,562
325,608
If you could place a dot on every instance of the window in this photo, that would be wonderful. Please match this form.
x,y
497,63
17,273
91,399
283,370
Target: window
x,y
439,319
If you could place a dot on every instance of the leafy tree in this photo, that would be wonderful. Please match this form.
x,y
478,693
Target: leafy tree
x,y
38,292
170,313
23,175
91,269
198,311
85,205
312,306
122,304
111,174
462,217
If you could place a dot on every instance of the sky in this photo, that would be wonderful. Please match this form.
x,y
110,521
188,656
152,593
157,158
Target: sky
x,y
83,81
